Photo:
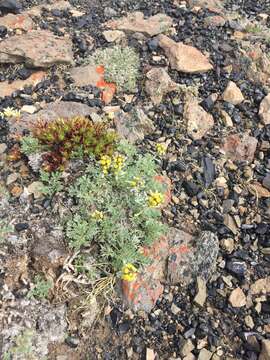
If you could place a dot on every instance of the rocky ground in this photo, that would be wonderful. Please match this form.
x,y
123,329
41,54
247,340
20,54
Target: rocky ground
x,y
203,93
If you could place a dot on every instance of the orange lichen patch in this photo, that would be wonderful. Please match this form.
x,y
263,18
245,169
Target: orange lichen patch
x,y
182,249
109,89
100,69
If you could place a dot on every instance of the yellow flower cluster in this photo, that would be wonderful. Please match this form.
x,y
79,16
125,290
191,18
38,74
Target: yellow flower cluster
x,y
129,272
105,161
161,149
136,182
10,112
115,163
118,162
155,199
97,215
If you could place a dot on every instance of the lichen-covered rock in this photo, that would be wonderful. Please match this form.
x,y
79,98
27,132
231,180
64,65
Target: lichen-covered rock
x,y
158,84
144,291
206,253
50,112
238,149
133,126
181,258
37,324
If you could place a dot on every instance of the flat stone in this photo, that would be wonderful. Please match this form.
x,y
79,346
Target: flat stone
x,y
133,126
37,48
183,57
29,109
238,149
94,76
212,5
158,84
7,89
259,68
233,94
202,292
135,22
113,35
199,122
50,112
237,298
14,22
264,111
56,5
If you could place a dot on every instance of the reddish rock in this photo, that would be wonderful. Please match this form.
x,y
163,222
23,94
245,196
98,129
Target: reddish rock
x,y
6,88
264,111
37,48
158,84
180,257
135,22
238,149
93,75
142,293
168,194
13,22
184,58
259,68
199,122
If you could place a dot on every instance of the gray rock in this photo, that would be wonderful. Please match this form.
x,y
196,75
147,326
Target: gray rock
x,y
50,112
38,324
133,126
206,254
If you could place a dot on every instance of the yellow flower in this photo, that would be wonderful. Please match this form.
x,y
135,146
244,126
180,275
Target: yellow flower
x,y
110,115
118,162
155,199
129,272
161,149
136,182
97,215
10,112
105,161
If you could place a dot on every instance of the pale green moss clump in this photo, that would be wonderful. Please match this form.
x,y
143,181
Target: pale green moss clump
x,y
121,66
